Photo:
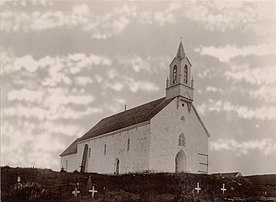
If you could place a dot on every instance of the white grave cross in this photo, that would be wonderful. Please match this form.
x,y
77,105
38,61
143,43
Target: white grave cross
x,y
223,188
197,188
93,191
76,192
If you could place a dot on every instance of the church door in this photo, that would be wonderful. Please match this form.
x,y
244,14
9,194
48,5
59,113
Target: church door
x,y
180,162
117,166
84,159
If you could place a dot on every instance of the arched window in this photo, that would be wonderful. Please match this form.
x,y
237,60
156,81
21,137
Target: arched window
x,y
174,74
128,144
104,149
89,152
185,74
181,140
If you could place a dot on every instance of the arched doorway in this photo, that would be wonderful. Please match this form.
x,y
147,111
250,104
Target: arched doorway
x,y
180,162
117,166
84,159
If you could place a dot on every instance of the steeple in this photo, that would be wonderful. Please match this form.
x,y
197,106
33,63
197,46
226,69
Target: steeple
x,y
180,52
180,82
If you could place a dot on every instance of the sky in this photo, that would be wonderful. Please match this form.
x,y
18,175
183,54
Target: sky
x,y
67,64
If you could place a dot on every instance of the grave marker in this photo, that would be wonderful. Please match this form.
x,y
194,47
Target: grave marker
x,y
75,192
223,189
18,179
197,188
93,191
89,183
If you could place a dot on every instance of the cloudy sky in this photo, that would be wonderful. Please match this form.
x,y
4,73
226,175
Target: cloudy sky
x,y
67,64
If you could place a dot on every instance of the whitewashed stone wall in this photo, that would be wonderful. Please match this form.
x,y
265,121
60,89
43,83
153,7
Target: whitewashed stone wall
x,y
136,159
166,127
71,165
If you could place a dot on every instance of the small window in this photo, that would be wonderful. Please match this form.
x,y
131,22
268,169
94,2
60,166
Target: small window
x,y
104,149
182,118
66,165
89,152
174,74
128,144
181,140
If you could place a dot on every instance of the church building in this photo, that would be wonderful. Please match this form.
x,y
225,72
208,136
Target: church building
x,y
164,135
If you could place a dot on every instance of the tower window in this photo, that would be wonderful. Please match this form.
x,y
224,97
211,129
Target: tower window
x,y
174,74
104,149
185,74
181,140
89,152
128,144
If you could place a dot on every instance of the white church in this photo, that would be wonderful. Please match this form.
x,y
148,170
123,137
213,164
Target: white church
x,y
164,135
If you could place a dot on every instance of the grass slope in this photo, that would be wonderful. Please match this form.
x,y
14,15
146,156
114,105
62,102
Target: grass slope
x,y
47,185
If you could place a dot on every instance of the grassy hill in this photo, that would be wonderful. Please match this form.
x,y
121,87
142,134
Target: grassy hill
x,y
47,185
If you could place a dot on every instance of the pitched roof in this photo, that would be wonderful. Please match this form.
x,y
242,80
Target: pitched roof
x,y
121,120
127,118
72,149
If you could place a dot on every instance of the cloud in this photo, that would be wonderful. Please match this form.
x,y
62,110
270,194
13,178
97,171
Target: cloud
x,y
115,105
228,52
261,79
258,76
266,146
26,62
24,3
148,64
136,86
255,17
115,86
213,89
167,16
54,113
266,93
38,138
112,73
58,97
25,95
101,26
58,66
261,113
83,80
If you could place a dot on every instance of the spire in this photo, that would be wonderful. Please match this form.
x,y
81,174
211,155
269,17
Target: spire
x,y
180,52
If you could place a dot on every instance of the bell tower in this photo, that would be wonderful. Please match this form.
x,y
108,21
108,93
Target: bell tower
x,y
180,82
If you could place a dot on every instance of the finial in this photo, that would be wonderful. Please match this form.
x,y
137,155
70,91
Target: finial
x,y
181,38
